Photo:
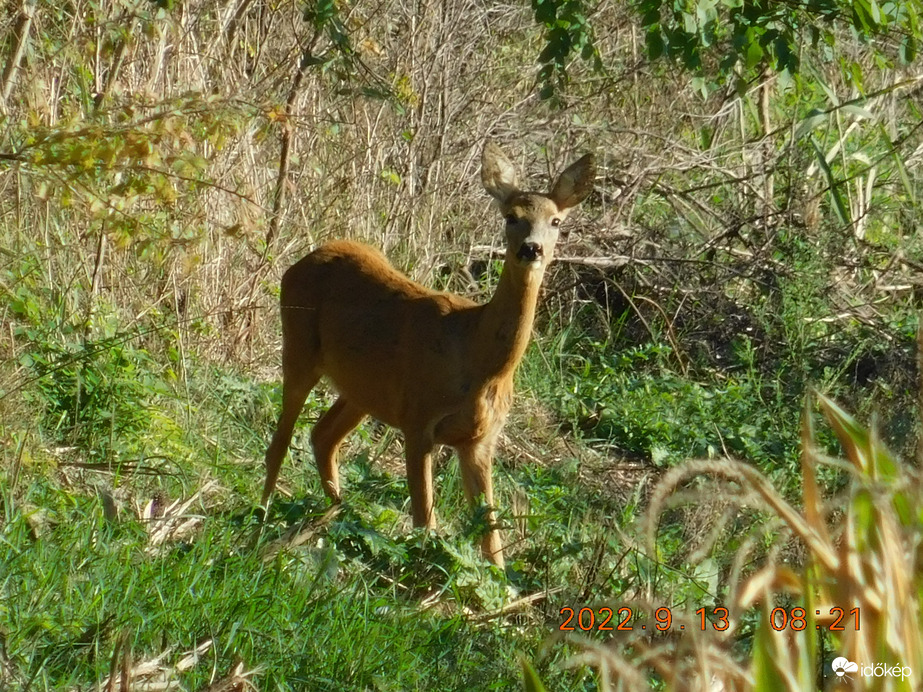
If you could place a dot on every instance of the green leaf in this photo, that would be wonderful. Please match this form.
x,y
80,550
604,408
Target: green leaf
x,y
786,58
545,11
754,54
706,14
908,49
391,176
700,86
531,681
836,197
814,119
858,111
655,45
651,17
862,16
549,53
858,77
875,12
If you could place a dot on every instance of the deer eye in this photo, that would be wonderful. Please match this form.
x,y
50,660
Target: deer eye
x,y
556,222
510,219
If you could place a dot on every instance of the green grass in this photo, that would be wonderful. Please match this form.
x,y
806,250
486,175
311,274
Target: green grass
x,y
359,600
343,610
310,618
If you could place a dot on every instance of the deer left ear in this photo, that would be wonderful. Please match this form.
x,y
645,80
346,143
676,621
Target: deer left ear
x,y
575,183
498,174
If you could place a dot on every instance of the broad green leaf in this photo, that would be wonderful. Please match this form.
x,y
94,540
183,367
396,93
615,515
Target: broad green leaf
x,y
651,17
545,11
700,86
754,54
854,438
862,16
655,44
908,49
875,12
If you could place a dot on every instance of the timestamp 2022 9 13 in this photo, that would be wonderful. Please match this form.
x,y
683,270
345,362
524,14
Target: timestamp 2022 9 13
x,y
625,619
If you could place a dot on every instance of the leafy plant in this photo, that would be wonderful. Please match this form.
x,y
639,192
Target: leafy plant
x,y
746,35
633,401
96,396
567,32
728,40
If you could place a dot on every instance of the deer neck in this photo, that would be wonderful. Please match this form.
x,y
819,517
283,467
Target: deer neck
x,y
505,324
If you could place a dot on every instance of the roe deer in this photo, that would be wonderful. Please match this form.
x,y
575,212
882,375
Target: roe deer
x,y
437,366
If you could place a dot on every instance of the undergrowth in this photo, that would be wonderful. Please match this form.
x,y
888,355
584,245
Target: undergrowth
x,y
161,165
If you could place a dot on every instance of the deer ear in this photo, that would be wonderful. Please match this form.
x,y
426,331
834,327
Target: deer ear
x,y
575,183
498,174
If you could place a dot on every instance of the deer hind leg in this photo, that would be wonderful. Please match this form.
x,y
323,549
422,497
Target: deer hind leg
x,y
296,385
329,431
476,463
419,454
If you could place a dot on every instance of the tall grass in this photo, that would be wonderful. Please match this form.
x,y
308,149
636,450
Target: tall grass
x,y
836,596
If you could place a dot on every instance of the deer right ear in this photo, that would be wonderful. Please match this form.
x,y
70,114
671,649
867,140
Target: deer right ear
x,y
575,183
498,174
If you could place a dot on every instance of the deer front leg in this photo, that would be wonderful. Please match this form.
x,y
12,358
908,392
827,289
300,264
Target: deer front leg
x,y
419,453
476,463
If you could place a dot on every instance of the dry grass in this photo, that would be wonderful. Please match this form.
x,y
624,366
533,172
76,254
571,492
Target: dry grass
x,y
209,81
161,673
860,551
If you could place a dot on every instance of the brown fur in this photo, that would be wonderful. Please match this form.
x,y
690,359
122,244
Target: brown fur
x,y
434,365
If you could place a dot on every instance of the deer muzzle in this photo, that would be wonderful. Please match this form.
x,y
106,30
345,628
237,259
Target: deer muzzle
x,y
530,252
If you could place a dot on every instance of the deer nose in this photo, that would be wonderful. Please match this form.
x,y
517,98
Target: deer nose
x,y
529,252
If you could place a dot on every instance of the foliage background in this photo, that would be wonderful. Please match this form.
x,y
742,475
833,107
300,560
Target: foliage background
x,y
753,233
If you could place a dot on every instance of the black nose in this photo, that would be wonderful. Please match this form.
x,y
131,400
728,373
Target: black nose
x,y
529,252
